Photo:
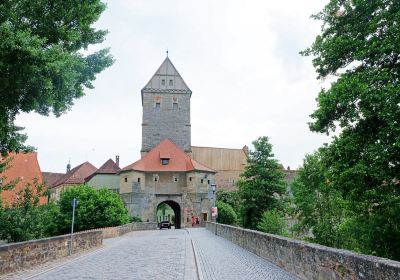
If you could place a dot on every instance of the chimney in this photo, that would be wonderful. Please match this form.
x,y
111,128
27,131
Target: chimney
x,y
69,166
117,160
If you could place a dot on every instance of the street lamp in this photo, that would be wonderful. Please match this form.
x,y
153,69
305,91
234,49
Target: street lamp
x,y
74,203
214,188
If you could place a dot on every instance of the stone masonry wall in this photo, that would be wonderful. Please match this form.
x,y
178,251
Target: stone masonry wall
x,y
26,254
166,122
307,260
111,232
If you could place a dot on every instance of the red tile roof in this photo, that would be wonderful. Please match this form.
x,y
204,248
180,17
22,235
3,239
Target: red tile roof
x,y
109,167
77,175
179,161
25,167
50,178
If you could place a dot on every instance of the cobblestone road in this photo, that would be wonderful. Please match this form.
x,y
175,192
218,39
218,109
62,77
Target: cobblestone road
x,y
222,260
160,254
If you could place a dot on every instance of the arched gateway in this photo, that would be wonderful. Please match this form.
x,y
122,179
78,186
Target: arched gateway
x,y
177,211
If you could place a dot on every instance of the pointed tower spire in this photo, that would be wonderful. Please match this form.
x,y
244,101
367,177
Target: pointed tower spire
x,y
166,79
166,109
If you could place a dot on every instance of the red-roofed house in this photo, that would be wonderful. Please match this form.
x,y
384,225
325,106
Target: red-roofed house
x,y
24,168
72,178
105,177
50,178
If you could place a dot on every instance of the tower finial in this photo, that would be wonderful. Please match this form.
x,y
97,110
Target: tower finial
x,y
167,52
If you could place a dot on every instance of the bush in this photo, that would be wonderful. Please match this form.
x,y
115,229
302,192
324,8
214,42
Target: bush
x,y
273,222
229,197
226,214
135,219
25,219
96,209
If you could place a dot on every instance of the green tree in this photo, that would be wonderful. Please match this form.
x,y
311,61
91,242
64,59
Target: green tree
x,y
229,197
261,185
42,64
274,222
25,219
359,44
226,214
319,209
96,209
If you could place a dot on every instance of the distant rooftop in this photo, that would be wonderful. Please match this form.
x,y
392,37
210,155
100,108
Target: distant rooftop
x,y
77,175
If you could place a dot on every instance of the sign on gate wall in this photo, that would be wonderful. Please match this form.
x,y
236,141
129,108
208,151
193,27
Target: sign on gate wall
x,y
214,211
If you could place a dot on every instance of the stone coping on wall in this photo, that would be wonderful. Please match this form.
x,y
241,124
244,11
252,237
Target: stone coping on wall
x,y
308,260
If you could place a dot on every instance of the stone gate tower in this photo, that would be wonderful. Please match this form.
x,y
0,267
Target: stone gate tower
x,y
166,109
166,174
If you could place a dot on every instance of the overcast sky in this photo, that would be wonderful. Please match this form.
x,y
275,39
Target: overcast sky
x,y
239,58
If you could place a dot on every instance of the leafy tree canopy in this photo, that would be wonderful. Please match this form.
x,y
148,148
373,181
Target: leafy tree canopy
x,y
319,209
274,222
96,209
359,44
261,185
226,214
229,197
42,64
25,219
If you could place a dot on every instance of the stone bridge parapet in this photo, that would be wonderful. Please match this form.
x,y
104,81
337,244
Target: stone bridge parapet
x,y
308,260
22,255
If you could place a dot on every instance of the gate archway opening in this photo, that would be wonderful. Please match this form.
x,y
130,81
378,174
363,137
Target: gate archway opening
x,y
165,210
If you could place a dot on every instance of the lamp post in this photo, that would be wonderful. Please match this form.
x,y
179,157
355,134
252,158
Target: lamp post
x,y
74,203
214,188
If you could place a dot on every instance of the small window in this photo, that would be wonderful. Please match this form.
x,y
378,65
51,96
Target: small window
x,y
175,179
126,179
138,179
208,181
171,83
201,181
190,179
155,178
164,161
174,106
163,82
158,105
